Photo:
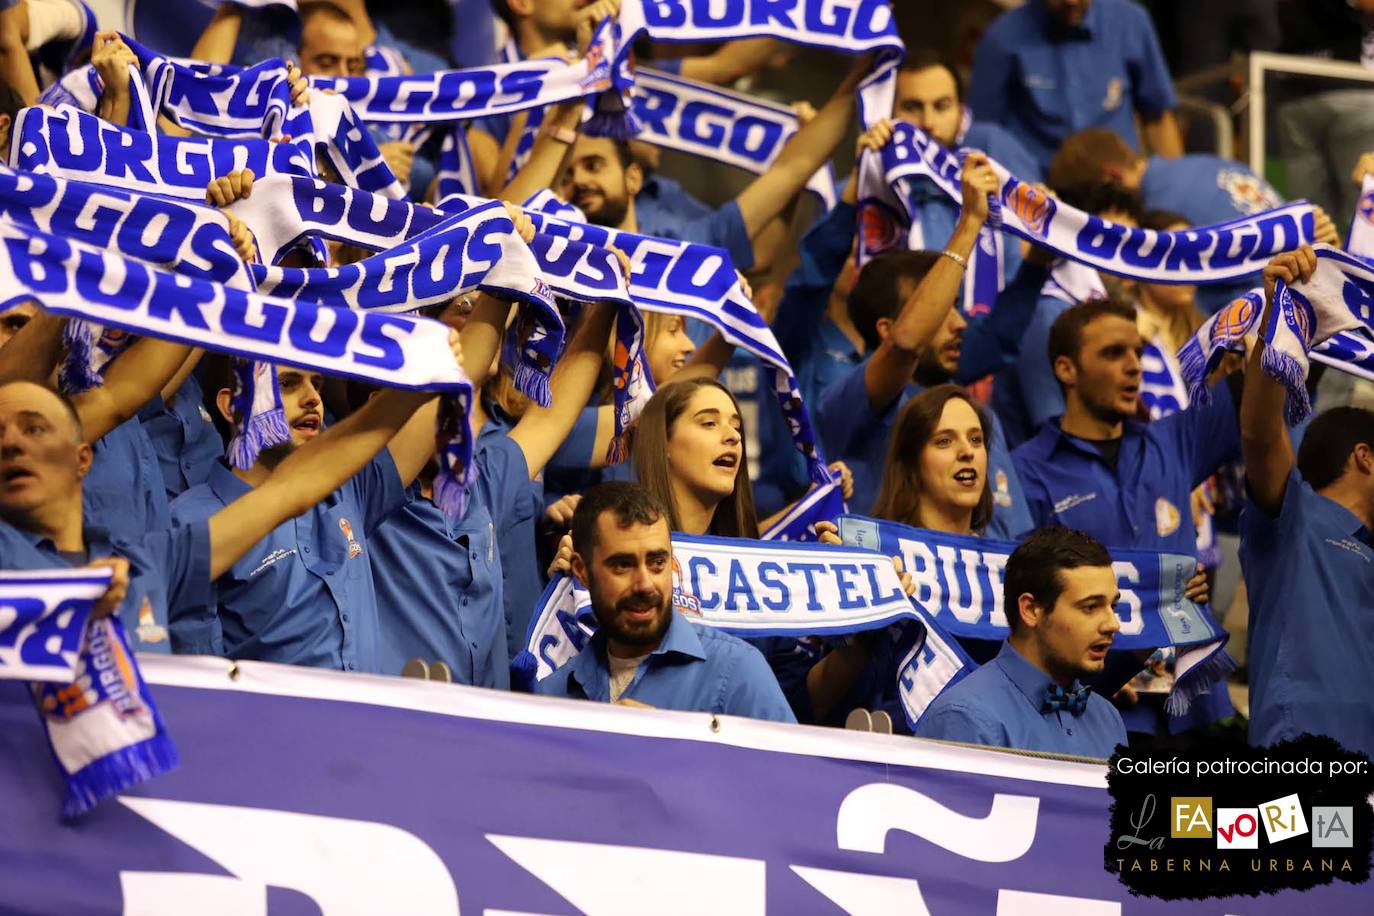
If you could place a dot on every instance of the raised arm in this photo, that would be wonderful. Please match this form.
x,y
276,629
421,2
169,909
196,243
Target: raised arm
x,y
549,153
482,334
16,70
132,379
1162,135
731,61
34,350
216,44
1264,441
111,58
806,152
542,429
309,474
889,368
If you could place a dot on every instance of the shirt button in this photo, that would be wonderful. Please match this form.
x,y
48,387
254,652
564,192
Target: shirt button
x,y
465,601
1069,730
344,618
305,549
474,554
351,666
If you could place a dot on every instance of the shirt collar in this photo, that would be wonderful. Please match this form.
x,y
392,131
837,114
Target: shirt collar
x,y
1030,680
225,484
93,536
1060,439
1055,30
591,670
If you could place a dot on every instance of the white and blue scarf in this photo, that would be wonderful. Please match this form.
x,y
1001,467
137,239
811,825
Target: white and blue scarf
x,y
959,584
1200,255
73,279
103,729
1333,312
730,127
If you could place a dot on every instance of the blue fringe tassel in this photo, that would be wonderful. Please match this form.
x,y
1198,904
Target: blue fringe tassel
x,y
1193,365
533,384
117,771
258,432
76,374
450,495
1286,370
612,118
1199,681
522,671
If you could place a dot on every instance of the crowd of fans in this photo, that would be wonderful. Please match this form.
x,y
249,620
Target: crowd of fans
x,y
1023,423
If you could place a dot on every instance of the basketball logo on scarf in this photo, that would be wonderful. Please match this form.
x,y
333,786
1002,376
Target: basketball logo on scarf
x,y
1300,318
354,548
598,76
1233,321
1034,207
1365,207
683,599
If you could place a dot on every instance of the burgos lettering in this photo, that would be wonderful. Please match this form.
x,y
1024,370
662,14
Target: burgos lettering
x,y
858,20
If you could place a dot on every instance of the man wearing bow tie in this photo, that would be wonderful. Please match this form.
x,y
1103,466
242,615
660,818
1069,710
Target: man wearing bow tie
x,y
1059,594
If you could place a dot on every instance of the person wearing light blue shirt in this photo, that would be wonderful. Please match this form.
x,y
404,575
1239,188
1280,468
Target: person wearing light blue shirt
x,y
644,652
304,593
1060,594
902,303
183,437
124,490
1308,559
1052,67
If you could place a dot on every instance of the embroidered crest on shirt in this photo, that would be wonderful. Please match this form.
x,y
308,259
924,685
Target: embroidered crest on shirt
x,y
354,548
1068,502
1002,494
1249,194
1167,517
1114,95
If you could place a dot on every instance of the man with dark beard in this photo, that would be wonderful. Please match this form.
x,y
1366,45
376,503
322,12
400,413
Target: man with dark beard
x,y
643,653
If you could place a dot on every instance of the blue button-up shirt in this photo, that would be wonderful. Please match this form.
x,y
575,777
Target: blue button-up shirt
x,y
694,669
123,492
854,434
1143,502
722,227
169,573
1310,576
663,200
304,594
1002,705
1042,81
184,438
1026,394
1208,190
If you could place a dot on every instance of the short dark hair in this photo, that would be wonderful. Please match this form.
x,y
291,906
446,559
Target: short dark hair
x,y
1101,198
877,292
1066,334
10,101
1033,567
502,8
1328,442
1161,220
327,9
1084,157
925,58
631,503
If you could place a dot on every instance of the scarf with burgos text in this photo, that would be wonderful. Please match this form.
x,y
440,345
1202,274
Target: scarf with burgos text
x,y
959,584
104,731
1332,313
71,278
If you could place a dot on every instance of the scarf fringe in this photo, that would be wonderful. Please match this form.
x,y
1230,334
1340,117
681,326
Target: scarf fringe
x,y
533,383
613,119
1193,366
117,772
522,671
78,372
256,433
1199,680
451,494
1289,372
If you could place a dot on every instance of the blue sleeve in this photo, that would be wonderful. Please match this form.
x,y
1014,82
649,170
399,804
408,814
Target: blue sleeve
x,y
823,253
724,228
1040,391
753,691
1037,501
989,91
671,65
1015,158
576,450
182,552
993,341
1207,437
502,475
948,722
844,414
378,490
1151,86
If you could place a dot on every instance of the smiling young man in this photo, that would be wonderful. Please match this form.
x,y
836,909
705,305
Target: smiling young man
x,y
644,653
1059,594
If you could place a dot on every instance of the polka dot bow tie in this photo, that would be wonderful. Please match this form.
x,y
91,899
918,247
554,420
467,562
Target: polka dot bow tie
x,y
1057,698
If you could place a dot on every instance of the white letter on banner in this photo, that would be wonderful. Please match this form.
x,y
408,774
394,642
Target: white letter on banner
x,y
920,562
344,866
1026,903
869,812
1132,622
866,895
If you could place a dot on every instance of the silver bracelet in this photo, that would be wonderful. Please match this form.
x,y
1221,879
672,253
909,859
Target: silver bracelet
x,y
956,258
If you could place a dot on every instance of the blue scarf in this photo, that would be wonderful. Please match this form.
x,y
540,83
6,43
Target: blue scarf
x,y
104,731
71,278
1204,254
959,583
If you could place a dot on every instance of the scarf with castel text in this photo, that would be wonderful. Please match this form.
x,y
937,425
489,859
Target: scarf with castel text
x,y
102,727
